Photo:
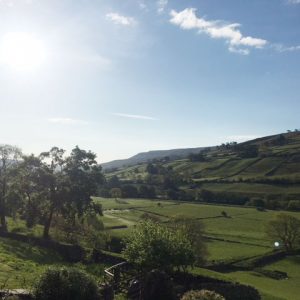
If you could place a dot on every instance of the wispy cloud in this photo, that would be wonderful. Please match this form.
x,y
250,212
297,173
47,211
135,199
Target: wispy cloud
x,y
121,20
293,1
142,5
283,48
67,121
140,117
217,29
161,5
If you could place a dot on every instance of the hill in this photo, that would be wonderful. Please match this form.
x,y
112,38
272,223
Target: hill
x,y
267,167
150,155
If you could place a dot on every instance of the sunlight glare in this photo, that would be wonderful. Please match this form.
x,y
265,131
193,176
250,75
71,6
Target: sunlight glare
x,y
22,51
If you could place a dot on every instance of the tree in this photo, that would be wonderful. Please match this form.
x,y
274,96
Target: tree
x,y
285,229
194,231
9,156
129,191
155,246
54,184
27,186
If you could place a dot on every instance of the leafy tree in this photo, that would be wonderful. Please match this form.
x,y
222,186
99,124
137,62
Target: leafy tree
x,y
84,176
27,185
9,157
155,246
54,185
285,229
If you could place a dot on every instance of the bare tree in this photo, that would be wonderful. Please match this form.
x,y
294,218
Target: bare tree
x,y
285,229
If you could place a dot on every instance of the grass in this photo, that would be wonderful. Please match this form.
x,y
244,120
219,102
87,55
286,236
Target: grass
x,y
22,263
231,238
239,236
288,289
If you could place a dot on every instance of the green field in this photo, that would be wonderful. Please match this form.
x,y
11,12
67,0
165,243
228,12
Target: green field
x,y
22,263
239,236
288,289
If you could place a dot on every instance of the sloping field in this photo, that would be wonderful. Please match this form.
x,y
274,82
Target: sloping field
x,y
287,289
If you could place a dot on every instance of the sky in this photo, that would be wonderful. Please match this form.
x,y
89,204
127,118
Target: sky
x,y
120,77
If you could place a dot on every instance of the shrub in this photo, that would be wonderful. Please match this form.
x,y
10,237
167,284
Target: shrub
x,y
153,245
158,286
202,295
65,284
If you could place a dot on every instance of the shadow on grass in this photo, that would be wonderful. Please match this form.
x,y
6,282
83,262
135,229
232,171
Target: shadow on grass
x,y
29,252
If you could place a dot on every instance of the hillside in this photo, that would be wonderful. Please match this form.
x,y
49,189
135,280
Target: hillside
x,y
267,167
150,155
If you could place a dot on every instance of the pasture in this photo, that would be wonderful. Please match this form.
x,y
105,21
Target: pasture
x,y
236,237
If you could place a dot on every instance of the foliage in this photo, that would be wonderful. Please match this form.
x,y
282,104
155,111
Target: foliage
x,y
152,245
194,230
9,156
158,286
64,284
53,184
285,229
202,295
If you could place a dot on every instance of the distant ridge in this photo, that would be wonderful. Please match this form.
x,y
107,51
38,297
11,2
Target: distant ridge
x,y
150,155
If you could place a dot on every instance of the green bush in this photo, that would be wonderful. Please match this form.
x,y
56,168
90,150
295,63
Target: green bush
x,y
202,295
158,286
65,284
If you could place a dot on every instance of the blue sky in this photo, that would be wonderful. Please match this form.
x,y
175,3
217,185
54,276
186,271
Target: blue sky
x,y
121,77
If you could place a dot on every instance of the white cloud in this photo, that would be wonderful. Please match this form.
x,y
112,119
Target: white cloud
x,y
67,121
120,20
141,117
239,51
142,5
294,1
161,5
216,29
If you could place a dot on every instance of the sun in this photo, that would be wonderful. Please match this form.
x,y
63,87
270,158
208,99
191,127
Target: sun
x,y
22,51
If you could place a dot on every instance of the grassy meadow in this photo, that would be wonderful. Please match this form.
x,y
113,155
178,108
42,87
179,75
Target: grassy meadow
x,y
239,236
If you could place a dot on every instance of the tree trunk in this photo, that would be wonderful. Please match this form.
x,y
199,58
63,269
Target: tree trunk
x,y
48,224
3,227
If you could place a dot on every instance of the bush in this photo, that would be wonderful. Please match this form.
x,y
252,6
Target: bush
x,y
158,286
153,245
202,295
65,284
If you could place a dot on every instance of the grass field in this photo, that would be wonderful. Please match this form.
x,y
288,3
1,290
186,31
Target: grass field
x,y
288,289
239,236
21,264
